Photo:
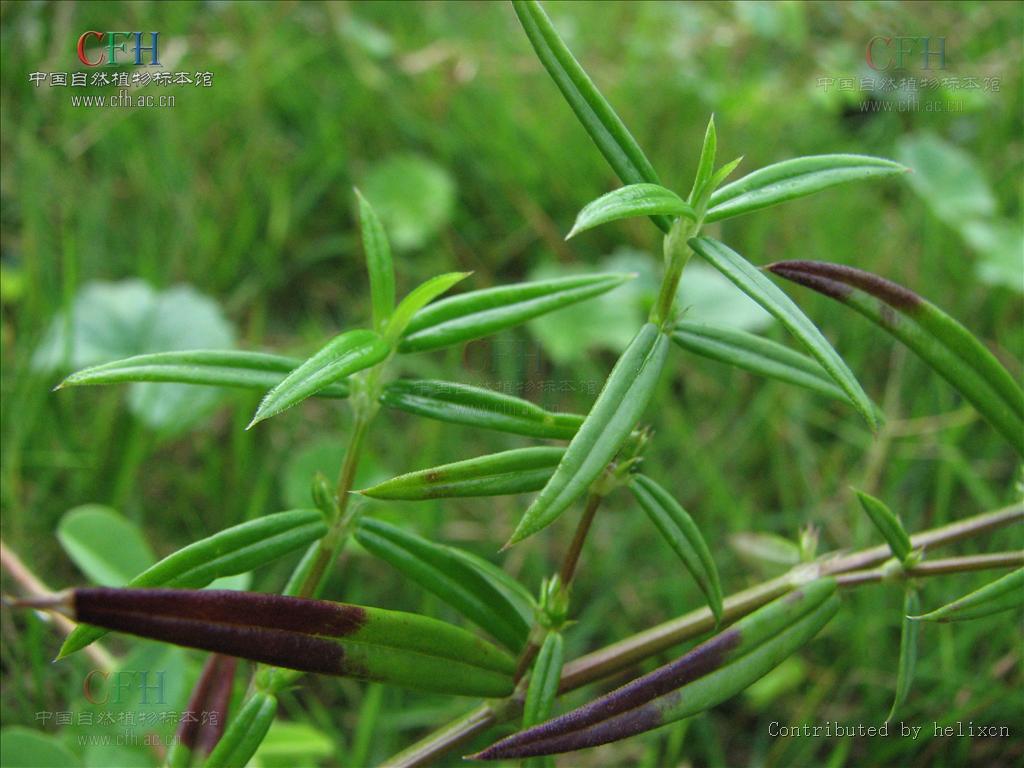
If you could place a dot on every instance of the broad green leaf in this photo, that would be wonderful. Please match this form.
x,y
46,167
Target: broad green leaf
x,y
377,252
997,245
305,635
520,470
629,202
948,179
544,680
908,650
105,546
1003,594
454,579
417,299
476,314
682,534
234,550
790,179
112,321
592,110
344,355
611,419
888,524
949,348
214,367
706,296
714,671
749,279
705,166
478,407
414,197
22,747
755,354
245,732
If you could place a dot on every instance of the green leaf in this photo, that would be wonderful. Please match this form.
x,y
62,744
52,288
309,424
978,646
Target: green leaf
x,y
908,650
234,550
22,747
478,407
417,299
344,355
790,179
414,196
245,733
706,296
378,263
455,580
517,471
1003,594
611,419
767,551
755,354
888,524
292,744
213,367
723,173
712,672
105,546
592,110
682,534
948,179
628,202
306,635
706,165
544,680
949,348
481,313
750,280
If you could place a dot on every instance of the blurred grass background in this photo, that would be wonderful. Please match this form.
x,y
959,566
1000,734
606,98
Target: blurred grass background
x,y
243,191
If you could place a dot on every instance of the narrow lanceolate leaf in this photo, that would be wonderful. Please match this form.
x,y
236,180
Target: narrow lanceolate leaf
x,y
543,688
456,580
749,279
378,263
908,650
245,734
416,300
706,165
628,202
344,355
790,179
933,335
592,110
682,534
709,674
497,474
888,524
1003,594
306,635
478,407
755,354
614,414
473,315
234,550
212,367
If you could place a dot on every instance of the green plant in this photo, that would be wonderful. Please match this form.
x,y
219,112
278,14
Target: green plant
x,y
604,454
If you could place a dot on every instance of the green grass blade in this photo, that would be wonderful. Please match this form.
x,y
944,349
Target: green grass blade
x,y
888,524
342,356
790,179
755,354
908,650
613,416
758,287
628,202
417,299
480,313
455,580
1003,594
498,474
683,536
478,407
592,110
378,263
934,336
212,367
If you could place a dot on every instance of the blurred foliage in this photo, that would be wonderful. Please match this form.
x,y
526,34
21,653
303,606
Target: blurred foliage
x,y
243,192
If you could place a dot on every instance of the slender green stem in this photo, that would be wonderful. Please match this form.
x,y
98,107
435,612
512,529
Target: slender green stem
x,y
677,254
936,568
619,656
572,555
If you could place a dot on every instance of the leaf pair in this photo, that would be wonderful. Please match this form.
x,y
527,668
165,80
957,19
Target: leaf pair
x,y
704,677
305,635
949,348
